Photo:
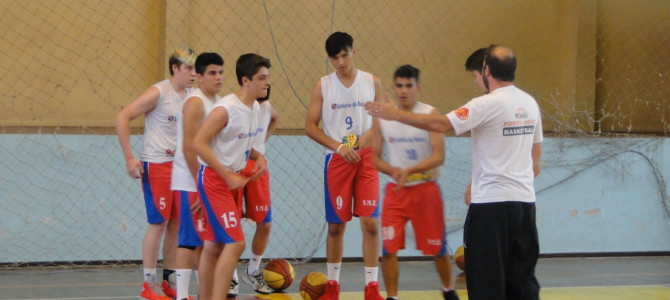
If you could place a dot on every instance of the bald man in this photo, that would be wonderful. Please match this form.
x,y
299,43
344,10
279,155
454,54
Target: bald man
x,y
500,235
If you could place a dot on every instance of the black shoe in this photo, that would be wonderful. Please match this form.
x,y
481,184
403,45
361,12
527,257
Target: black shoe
x,y
450,295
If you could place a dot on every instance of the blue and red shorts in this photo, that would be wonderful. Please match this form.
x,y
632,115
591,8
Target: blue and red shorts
x,y
422,205
351,189
159,199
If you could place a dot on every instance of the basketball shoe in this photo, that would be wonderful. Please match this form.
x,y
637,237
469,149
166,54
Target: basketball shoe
x,y
153,291
450,295
332,291
372,291
233,288
258,283
168,290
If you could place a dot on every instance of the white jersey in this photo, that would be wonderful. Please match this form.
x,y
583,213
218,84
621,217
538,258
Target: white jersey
x,y
264,117
233,144
182,180
504,125
160,125
407,145
344,118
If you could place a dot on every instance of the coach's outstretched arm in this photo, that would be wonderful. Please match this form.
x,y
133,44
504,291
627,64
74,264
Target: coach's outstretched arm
x,y
388,111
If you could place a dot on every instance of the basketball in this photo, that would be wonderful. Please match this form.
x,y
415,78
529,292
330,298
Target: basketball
x,y
313,285
459,258
278,274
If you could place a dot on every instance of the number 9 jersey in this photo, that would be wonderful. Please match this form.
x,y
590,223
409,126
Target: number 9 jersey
x,y
344,118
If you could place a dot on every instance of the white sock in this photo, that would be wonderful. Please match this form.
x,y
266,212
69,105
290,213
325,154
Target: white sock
x,y
371,274
334,271
150,274
183,280
197,278
254,264
235,275
445,289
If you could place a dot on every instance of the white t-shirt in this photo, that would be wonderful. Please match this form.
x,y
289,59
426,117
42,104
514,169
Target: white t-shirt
x,y
343,116
182,180
406,145
160,125
232,145
264,117
504,125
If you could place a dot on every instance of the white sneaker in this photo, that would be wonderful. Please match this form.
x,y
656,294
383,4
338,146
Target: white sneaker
x,y
234,288
258,283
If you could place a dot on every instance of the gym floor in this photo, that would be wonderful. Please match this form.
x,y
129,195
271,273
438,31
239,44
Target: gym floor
x,y
639,278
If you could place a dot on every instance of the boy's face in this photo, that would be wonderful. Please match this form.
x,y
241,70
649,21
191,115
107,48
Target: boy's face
x,y
185,74
343,61
211,80
258,87
406,90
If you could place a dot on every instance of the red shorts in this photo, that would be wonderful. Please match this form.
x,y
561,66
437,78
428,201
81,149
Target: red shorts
x,y
223,215
257,205
192,226
159,199
344,181
421,204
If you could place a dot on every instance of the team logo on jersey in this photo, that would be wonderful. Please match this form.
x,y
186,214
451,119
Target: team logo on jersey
x,y
411,139
346,105
462,113
169,152
172,118
521,113
245,135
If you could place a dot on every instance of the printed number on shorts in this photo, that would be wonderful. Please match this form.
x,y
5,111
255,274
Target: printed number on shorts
x,y
388,233
411,154
349,121
161,203
229,219
338,202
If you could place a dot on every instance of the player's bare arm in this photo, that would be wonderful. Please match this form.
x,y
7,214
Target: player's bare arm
x,y
141,105
193,114
313,130
377,145
388,111
214,123
261,164
535,153
380,96
274,119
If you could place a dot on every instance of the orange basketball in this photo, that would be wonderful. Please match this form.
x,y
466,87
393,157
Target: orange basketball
x,y
459,258
313,285
278,274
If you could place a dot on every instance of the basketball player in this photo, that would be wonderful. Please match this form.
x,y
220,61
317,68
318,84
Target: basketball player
x,y
257,204
223,144
414,158
160,105
351,180
500,234
209,70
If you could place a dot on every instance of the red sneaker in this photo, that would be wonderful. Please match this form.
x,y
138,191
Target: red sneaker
x,y
332,291
168,290
372,291
152,291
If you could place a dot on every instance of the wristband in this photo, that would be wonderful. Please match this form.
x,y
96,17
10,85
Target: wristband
x,y
338,149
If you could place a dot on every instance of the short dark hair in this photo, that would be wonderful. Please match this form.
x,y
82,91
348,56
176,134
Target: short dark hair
x,y
407,71
205,59
475,61
337,42
248,65
501,68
